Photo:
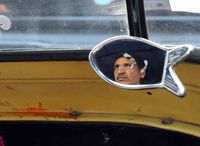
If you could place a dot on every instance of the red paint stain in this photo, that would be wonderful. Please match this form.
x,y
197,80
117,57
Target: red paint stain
x,y
9,87
42,112
36,109
45,115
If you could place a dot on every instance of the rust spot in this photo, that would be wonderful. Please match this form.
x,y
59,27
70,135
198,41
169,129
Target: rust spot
x,y
9,87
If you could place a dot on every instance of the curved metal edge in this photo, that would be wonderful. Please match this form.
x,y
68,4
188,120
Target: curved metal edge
x,y
175,85
100,45
169,76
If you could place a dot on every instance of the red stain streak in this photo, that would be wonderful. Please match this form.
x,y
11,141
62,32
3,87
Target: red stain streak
x,y
36,109
46,115
9,87
42,112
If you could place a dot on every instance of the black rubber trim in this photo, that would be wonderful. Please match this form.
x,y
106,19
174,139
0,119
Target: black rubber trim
x,y
136,18
68,55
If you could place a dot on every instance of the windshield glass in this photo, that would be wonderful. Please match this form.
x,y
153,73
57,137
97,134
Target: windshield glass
x,y
174,22
60,24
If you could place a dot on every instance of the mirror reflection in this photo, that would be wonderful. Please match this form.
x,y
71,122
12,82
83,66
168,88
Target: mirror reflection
x,y
136,63
129,69
131,62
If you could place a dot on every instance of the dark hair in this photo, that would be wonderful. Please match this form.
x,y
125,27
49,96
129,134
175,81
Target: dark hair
x,y
137,57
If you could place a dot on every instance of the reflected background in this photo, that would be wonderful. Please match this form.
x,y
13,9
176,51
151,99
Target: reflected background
x,y
61,24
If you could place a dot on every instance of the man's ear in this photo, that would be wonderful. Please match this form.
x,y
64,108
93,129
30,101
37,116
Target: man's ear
x,y
142,71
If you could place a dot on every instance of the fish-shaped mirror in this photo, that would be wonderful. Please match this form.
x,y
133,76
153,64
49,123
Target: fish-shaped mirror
x,y
137,63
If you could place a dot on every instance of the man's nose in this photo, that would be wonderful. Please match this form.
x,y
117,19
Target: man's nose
x,y
121,69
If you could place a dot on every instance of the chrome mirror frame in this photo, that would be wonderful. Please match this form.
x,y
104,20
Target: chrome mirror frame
x,y
169,80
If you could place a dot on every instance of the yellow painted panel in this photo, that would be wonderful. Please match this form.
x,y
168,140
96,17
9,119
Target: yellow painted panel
x,y
63,86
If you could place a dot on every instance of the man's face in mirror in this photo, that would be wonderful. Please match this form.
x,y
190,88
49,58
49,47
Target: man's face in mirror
x,y
127,71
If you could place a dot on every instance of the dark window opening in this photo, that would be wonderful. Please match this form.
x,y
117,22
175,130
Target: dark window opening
x,y
89,134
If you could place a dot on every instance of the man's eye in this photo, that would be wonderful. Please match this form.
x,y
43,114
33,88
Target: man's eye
x,y
117,66
127,65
